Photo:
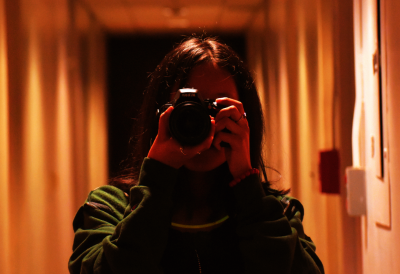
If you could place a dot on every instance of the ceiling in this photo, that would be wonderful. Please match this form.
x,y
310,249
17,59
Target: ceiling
x,y
173,15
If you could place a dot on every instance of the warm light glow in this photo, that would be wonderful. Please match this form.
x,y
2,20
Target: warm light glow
x,y
51,152
178,23
175,12
34,158
97,120
284,113
4,150
63,192
325,78
303,144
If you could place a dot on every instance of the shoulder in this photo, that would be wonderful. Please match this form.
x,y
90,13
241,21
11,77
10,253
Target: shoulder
x,y
106,203
108,193
108,198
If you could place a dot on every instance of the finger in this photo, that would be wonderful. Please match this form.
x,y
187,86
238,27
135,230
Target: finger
x,y
233,140
163,129
298,215
225,101
206,144
230,112
230,125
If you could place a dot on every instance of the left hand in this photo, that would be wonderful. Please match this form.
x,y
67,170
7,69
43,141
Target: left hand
x,y
166,149
231,118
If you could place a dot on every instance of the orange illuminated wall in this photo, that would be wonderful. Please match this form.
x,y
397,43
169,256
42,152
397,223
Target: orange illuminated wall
x,y
53,129
4,149
376,30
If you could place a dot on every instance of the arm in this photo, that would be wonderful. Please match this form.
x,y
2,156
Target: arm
x,y
116,239
268,240
115,235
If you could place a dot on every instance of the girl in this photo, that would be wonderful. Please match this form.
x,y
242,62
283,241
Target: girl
x,y
195,208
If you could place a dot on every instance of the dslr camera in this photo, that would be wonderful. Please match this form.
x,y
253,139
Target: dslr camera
x,y
190,121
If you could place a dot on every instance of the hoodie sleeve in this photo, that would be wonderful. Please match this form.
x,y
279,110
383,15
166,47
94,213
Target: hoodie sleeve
x,y
268,240
120,233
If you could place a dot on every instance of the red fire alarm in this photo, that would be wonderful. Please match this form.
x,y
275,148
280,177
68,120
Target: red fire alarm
x,y
329,175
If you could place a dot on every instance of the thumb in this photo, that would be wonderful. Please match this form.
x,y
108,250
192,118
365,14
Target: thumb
x,y
163,128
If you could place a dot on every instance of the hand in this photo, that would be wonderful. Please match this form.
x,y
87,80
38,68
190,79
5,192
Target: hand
x,y
231,118
167,150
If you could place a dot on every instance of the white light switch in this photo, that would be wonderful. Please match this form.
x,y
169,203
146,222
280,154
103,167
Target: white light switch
x,y
356,194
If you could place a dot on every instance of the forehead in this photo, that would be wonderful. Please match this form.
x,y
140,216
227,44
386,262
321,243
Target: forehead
x,y
212,82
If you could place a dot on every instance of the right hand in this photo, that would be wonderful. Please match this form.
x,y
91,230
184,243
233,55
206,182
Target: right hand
x,y
166,149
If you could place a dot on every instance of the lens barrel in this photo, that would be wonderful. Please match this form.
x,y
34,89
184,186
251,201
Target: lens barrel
x,y
190,123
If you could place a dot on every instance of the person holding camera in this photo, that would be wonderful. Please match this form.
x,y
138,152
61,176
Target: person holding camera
x,y
193,200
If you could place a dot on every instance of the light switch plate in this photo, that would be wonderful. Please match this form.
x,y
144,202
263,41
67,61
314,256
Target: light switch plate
x,y
356,191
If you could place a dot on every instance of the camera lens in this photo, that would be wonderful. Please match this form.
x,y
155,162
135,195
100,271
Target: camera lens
x,y
189,123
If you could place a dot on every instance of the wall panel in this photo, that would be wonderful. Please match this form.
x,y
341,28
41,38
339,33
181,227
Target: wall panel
x,y
380,226
48,111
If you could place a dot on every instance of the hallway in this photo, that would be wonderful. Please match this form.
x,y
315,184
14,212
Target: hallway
x,y
312,62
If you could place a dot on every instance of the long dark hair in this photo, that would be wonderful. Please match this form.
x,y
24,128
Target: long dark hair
x,y
173,73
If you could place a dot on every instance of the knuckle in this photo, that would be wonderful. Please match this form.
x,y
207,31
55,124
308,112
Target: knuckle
x,y
228,110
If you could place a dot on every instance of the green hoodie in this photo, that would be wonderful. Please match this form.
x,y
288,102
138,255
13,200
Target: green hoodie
x,y
120,233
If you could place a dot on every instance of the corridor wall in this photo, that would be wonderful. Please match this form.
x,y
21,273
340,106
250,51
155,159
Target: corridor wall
x,y
376,36
53,135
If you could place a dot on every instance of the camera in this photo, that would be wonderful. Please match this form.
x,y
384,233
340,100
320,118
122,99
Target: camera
x,y
190,121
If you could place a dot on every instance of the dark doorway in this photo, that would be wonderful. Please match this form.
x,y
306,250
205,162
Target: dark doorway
x,y
130,60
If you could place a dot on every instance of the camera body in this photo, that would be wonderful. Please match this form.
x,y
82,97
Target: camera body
x,y
190,121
